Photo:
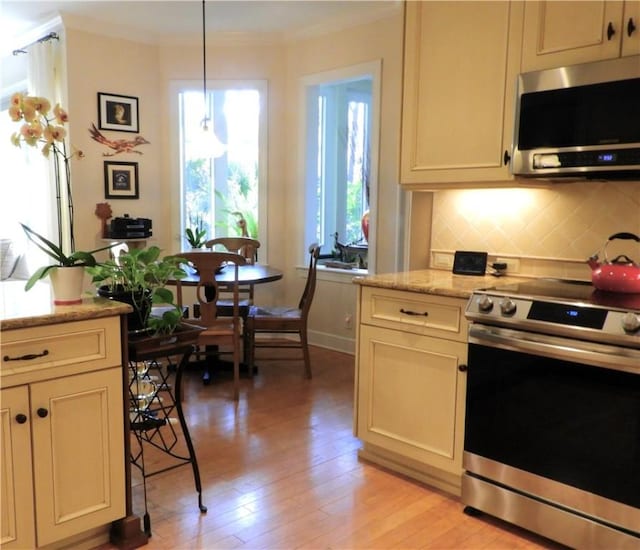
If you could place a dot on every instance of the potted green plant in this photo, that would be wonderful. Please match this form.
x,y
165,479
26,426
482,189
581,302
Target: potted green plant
x,y
196,235
139,278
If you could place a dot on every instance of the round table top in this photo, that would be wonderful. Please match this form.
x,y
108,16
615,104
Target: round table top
x,y
247,274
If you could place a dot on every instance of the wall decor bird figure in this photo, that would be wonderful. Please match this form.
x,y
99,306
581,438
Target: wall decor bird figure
x,y
117,145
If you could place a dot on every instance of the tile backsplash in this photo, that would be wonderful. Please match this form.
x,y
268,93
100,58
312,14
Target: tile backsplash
x,y
548,231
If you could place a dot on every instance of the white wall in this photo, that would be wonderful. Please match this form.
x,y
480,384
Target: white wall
x,y
99,63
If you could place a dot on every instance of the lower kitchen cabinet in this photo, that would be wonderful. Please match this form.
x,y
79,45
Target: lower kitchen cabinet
x,y
62,433
411,381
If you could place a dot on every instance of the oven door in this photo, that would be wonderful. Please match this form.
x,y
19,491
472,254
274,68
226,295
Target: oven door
x,y
556,419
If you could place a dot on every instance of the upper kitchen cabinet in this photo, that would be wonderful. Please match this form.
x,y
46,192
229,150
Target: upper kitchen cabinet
x,y
565,33
461,60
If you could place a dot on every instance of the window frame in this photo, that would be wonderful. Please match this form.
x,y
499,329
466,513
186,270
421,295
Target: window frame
x,y
308,144
175,88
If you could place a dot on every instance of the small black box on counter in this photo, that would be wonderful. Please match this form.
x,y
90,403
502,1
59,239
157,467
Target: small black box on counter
x,y
130,228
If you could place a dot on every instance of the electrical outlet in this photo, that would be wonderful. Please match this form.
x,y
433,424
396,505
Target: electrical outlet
x,y
442,260
348,320
513,264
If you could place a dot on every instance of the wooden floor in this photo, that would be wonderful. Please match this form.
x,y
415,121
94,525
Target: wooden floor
x,y
280,471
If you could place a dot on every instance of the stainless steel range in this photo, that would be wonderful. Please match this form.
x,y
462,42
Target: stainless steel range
x,y
552,431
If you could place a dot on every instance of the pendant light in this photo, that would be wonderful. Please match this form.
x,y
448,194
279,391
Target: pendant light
x,y
212,146
205,121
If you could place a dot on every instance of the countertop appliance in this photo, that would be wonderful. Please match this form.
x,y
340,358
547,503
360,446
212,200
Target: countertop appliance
x,y
579,121
130,228
552,428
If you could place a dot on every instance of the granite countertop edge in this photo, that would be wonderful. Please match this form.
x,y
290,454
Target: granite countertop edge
x,y
90,308
433,281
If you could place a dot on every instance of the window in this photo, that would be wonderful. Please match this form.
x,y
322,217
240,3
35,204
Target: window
x,y
27,193
340,164
221,169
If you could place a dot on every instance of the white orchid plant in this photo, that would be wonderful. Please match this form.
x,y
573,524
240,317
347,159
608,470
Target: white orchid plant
x,y
43,126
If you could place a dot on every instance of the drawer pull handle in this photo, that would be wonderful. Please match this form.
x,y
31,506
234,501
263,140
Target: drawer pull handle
x,y
28,357
42,412
409,312
21,418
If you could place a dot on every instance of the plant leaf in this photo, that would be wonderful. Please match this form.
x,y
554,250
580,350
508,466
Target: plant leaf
x,y
40,273
49,248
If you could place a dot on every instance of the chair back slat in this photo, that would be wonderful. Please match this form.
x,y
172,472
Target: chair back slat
x,y
208,289
310,285
244,246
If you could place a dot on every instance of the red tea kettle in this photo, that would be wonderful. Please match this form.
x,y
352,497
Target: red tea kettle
x,y
618,275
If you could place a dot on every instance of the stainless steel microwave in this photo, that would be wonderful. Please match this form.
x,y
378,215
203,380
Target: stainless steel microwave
x,y
581,120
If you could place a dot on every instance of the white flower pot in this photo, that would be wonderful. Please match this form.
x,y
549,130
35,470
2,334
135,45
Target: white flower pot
x,y
67,285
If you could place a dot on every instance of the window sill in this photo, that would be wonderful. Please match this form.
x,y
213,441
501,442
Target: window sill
x,y
324,273
341,275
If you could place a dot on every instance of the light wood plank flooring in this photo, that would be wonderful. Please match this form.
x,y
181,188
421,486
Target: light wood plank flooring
x,y
280,471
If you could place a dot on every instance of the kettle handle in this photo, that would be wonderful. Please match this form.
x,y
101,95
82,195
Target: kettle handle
x,y
623,235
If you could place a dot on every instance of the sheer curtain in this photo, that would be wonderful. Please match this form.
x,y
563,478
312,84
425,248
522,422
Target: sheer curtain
x,y
27,192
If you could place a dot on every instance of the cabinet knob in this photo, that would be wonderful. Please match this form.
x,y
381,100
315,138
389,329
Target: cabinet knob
x,y
610,31
21,418
631,27
463,368
42,412
506,158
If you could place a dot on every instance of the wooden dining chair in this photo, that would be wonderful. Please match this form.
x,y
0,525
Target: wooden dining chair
x,y
246,247
219,329
284,321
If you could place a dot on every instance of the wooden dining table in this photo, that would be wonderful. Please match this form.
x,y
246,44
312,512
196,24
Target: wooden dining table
x,y
247,274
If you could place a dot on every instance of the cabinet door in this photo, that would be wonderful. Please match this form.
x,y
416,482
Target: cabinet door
x,y
559,33
411,396
461,62
78,447
631,28
16,498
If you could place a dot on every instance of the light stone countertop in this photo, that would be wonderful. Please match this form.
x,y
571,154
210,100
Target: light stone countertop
x,y
21,309
434,281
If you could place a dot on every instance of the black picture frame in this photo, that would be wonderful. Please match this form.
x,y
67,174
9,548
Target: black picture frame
x,y
121,180
118,112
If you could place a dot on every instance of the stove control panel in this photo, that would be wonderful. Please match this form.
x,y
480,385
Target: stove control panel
x,y
565,318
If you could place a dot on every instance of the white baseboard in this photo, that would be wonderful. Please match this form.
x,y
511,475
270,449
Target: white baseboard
x,y
331,341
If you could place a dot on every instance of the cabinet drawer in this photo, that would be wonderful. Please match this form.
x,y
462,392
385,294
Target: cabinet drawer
x,y
414,312
26,352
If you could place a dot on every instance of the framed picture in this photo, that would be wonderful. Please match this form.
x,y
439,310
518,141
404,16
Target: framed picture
x,y
121,180
118,112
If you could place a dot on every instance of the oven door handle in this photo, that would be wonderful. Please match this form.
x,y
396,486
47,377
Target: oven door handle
x,y
568,349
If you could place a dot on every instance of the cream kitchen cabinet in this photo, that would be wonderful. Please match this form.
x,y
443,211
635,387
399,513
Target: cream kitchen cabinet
x,y
410,384
461,60
62,432
559,33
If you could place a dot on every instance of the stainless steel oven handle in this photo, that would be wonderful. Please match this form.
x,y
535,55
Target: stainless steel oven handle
x,y
568,349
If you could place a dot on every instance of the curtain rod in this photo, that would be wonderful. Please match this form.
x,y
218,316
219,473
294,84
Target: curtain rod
x,y
45,38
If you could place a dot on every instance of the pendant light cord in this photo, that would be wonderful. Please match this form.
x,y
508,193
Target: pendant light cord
x,y
204,68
